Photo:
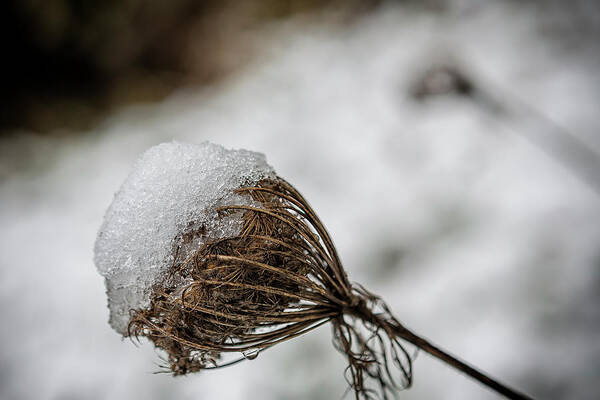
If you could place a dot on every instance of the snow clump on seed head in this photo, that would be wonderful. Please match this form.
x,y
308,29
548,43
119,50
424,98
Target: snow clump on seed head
x,y
174,188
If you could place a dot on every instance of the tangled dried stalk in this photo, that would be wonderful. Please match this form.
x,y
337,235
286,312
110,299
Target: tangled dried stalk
x,y
279,278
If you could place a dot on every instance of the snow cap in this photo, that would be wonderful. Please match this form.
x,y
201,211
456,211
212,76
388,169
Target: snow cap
x,y
173,188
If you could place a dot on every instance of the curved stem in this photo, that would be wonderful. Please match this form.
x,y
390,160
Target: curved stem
x,y
393,327
465,368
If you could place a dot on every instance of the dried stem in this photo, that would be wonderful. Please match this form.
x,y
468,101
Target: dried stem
x,y
392,325
474,373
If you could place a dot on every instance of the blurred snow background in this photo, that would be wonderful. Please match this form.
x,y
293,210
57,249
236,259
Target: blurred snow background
x,y
476,235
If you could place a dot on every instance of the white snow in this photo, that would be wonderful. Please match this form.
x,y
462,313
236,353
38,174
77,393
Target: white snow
x,y
173,188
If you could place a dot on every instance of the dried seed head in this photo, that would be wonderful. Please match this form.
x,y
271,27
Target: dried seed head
x,y
275,277
244,292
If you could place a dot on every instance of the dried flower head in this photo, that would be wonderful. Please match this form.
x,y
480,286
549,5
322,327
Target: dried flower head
x,y
270,275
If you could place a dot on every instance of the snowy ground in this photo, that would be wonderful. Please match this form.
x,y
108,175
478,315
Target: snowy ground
x,y
476,237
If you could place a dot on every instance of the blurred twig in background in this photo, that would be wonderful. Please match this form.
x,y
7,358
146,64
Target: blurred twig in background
x,y
513,113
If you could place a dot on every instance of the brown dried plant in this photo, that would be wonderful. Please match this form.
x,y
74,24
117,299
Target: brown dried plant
x,y
279,278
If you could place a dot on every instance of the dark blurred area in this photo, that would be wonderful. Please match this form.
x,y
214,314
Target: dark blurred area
x,y
68,62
